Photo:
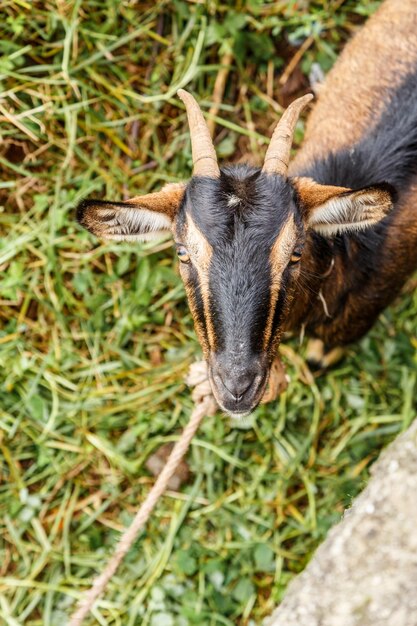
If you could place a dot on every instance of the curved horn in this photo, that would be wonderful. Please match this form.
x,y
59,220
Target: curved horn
x,y
277,156
204,154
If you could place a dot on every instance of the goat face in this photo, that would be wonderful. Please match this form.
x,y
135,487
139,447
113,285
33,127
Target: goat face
x,y
240,234
236,236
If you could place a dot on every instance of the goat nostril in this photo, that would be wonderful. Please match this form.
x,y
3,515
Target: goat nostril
x,y
237,389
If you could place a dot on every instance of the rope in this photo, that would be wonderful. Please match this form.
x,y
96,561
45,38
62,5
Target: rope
x,y
207,406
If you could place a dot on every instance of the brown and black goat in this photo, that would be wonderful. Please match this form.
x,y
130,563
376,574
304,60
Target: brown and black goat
x,y
324,244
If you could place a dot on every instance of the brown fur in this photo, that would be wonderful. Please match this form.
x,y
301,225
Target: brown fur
x,y
312,194
352,97
165,201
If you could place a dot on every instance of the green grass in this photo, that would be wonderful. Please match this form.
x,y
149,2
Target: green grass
x,y
95,339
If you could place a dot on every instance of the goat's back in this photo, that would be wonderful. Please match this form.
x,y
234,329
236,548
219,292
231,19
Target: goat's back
x,y
357,91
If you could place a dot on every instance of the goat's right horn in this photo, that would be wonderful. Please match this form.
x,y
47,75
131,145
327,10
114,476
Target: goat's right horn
x,y
204,154
277,156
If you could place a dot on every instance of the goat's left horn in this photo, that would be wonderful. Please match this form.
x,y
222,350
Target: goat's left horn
x,y
277,156
204,154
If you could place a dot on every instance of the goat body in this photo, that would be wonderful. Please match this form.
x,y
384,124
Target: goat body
x,y
363,129
325,245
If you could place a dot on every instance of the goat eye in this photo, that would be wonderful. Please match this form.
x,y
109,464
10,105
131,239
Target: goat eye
x,y
182,253
296,256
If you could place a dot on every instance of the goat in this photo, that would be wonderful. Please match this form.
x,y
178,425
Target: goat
x,y
324,244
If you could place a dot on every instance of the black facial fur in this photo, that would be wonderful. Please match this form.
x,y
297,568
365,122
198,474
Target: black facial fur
x,y
241,234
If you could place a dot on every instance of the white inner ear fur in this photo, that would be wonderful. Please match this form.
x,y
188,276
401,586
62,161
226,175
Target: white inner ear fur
x,y
135,224
351,212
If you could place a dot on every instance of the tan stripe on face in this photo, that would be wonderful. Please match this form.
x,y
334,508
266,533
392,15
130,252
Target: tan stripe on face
x,y
201,252
194,311
279,257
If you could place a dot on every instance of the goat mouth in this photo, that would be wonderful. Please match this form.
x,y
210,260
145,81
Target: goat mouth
x,y
242,408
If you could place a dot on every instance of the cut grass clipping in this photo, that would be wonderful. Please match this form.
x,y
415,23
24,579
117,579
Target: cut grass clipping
x,y
95,339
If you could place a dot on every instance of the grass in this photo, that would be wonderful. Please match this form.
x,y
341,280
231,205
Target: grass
x,y
95,339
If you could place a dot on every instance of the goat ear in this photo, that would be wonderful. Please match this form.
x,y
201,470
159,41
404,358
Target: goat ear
x,y
331,210
140,219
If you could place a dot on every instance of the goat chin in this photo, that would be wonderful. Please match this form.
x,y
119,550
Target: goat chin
x,y
241,418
